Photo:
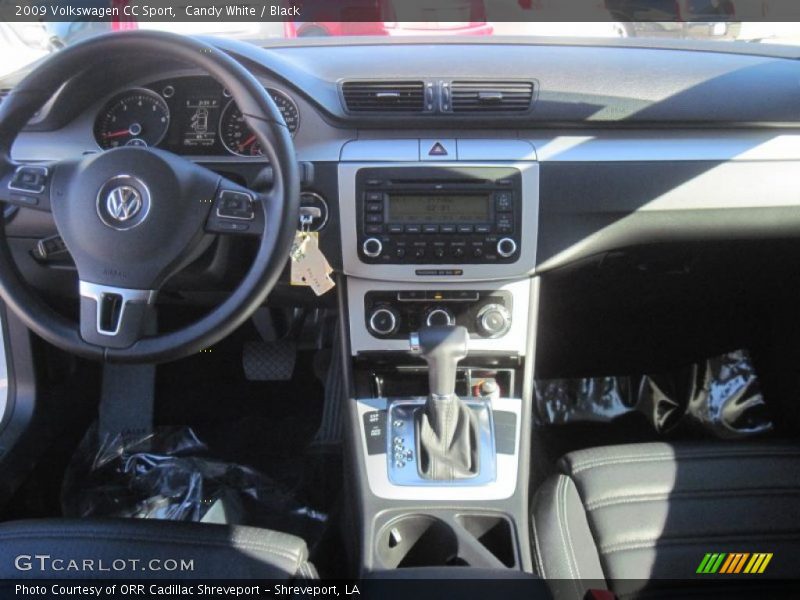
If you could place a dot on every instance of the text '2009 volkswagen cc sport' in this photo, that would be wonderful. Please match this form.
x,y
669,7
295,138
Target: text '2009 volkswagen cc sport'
x,y
344,306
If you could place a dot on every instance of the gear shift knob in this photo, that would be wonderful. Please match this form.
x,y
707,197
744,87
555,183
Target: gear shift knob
x,y
442,348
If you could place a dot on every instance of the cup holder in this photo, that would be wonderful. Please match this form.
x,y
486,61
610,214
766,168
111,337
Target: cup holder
x,y
426,540
418,541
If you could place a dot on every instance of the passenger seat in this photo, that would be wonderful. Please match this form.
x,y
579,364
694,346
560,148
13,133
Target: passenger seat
x,y
653,511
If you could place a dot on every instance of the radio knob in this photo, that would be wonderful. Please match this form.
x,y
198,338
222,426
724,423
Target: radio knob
x,y
440,317
493,320
372,247
506,247
383,321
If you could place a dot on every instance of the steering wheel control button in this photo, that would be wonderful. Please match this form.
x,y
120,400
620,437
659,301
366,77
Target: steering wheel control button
x,y
506,247
29,179
235,205
372,247
123,202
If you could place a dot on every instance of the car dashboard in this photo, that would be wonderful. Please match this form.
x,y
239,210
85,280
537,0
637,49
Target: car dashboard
x,y
533,193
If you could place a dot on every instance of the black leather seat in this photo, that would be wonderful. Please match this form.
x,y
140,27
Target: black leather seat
x,y
160,547
652,511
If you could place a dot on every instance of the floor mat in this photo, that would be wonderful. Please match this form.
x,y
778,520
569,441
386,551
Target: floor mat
x,y
264,425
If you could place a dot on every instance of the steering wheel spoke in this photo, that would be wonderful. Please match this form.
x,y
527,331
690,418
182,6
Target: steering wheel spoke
x,y
27,184
237,210
115,317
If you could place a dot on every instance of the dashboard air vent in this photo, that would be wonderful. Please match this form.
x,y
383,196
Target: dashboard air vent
x,y
384,96
491,96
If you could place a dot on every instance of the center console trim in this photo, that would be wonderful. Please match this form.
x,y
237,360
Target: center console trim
x,y
503,486
513,342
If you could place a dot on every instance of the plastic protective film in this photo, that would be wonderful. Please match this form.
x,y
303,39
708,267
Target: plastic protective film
x,y
166,475
719,396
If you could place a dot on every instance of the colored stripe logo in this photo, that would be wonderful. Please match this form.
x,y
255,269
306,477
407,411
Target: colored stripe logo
x,y
734,563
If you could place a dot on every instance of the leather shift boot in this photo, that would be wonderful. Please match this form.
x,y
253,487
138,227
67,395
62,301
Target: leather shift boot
x,y
448,444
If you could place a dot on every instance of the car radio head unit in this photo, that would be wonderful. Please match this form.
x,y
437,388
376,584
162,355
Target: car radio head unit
x,y
438,215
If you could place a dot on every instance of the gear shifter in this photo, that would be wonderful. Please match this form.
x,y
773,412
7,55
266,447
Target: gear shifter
x,y
446,428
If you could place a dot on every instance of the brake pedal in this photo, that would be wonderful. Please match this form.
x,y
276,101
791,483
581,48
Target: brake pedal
x,y
269,361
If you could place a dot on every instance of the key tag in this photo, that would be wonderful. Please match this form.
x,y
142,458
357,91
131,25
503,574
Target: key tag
x,y
309,266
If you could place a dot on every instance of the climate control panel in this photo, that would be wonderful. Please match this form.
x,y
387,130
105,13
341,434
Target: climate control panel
x,y
394,315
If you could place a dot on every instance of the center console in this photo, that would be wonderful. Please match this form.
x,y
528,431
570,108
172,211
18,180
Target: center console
x,y
438,297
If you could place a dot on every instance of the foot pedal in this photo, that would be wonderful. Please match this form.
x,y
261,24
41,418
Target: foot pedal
x,y
269,361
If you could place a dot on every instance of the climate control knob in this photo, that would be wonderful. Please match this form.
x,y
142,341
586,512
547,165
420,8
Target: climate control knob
x,y
506,247
493,320
372,247
383,321
440,317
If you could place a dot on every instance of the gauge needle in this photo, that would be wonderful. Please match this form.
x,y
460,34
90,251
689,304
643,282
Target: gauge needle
x,y
247,142
119,133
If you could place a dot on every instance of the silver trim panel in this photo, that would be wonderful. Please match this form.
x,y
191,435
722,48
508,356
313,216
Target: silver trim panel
x,y
403,465
98,292
503,486
514,341
667,145
523,266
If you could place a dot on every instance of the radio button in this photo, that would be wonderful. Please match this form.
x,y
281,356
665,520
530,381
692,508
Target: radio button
x,y
374,196
430,229
411,295
503,201
373,229
413,229
394,228
483,228
371,218
447,229
504,224
372,247
506,247
465,229
374,207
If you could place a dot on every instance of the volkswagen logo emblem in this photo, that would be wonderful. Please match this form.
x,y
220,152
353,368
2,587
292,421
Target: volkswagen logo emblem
x,y
123,202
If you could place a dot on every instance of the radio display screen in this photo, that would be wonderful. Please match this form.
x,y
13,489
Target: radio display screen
x,y
426,208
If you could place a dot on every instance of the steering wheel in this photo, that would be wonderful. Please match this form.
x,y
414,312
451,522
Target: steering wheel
x,y
132,216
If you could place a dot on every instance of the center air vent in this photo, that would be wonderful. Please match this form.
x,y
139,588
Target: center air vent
x,y
384,96
491,96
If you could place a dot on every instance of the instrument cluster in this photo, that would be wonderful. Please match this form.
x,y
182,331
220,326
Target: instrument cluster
x,y
186,115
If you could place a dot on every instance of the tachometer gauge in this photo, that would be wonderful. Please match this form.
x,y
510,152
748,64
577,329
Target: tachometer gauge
x,y
136,117
236,135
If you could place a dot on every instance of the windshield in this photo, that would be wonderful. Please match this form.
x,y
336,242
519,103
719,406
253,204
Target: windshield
x,y
23,42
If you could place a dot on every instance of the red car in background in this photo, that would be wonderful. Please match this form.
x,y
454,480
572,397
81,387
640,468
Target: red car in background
x,y
387,17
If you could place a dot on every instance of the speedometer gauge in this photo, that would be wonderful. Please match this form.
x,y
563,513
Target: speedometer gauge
x,y
236,135
136,117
